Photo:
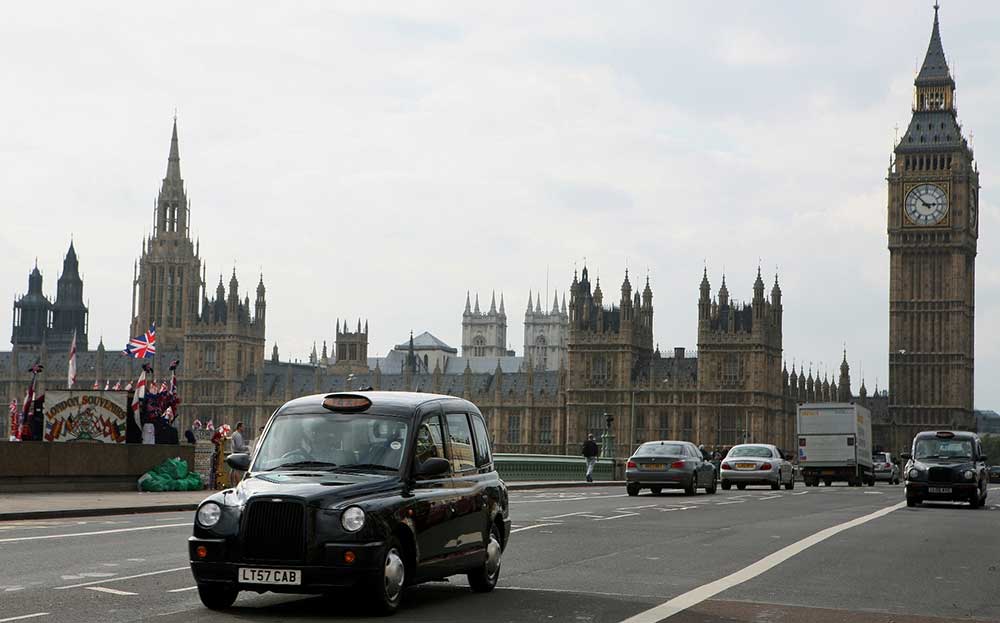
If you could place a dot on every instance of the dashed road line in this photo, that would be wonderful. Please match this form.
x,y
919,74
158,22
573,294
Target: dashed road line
x,y
75,534
182,590
617,517
591,497
538,525
111,591
566,515
24,616
733,502
124,577
769,497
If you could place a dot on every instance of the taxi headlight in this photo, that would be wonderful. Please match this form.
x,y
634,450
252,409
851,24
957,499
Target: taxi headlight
x,y
969,474
353,519
914,474
209,514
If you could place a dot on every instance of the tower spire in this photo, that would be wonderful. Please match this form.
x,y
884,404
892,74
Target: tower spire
x,y
174,159
934,69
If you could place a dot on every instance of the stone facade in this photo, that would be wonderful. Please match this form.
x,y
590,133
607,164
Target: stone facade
x,y
484,335
546,334
39,321
933,231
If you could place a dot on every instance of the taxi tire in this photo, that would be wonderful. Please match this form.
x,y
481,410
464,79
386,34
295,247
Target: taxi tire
x,y
692,489
480,580
776,485
381,604
656,490
912,501
976,501
217,597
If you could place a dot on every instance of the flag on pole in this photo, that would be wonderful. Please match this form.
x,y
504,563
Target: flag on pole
x,y
140,393
107,385
143,346
96,385
71,372
118,385
29,403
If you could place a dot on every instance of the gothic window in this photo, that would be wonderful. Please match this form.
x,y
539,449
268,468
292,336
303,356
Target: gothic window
x,y
664,422
514,429
545,429
600,370
210,356
479,346
541,353
687,426
732,369
596,423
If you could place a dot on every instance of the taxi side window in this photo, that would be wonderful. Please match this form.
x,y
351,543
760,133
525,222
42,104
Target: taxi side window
x,y
460,440
483,455
430,440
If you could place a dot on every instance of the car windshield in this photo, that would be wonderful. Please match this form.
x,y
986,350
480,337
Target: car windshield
x,y
660,449
751,451
942,448
332,441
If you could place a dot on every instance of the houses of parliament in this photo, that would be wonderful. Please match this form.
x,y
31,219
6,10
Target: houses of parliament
x,y
588,363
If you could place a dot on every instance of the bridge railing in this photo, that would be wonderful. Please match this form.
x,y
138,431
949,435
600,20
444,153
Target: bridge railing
x,y
521,467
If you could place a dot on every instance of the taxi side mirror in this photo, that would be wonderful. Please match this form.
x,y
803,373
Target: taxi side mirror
x,y
240,461
434,466
906,456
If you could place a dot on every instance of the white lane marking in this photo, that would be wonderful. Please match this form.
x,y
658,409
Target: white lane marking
x,y
591,497
874,492
537,525
124,577
630,508
769,497
707,591
733,502
181,590
800,493
566,515
80,576
617,517
112,591
65,536
136,559
24,616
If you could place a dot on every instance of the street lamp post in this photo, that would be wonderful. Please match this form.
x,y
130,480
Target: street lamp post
x,y
608,438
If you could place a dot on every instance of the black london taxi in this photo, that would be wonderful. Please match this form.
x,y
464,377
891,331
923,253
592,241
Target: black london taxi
x,y
372,490
946,466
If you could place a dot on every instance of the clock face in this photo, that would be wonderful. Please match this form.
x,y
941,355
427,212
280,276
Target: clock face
x,y
972,210
926,204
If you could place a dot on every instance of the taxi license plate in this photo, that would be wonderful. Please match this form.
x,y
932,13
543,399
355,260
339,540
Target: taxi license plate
x,y
746,466
938,489
654,466
270,576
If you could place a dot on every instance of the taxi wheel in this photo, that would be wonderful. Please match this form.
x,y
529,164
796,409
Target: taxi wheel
x,y
776,485
484,579
911,501
975,501
217,597
387,590
656,490
712,488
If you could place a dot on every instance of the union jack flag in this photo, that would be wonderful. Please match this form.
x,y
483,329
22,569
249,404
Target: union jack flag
x,y
143,346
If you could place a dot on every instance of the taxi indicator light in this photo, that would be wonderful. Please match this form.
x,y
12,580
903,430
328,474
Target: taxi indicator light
x,y
346,403
349,557
201,551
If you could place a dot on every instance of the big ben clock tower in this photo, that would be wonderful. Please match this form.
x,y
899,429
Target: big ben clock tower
x,y
933,231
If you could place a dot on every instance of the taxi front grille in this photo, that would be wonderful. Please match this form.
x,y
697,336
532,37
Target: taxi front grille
x,y
274,531
940,474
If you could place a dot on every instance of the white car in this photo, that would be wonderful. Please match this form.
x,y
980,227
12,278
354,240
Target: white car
x,y
884,468
756,464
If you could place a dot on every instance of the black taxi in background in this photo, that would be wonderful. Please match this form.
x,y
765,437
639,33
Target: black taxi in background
x,y
372,490
946,466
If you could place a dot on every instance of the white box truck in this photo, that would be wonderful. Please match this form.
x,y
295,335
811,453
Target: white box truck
x,y
835,444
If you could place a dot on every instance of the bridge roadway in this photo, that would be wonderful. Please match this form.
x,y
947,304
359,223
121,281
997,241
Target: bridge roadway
x,y
576,555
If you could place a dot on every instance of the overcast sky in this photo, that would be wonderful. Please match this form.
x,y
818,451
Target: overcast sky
x,y
379,160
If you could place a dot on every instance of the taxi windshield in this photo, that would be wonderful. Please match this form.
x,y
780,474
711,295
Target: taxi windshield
x,y
329,441
943,448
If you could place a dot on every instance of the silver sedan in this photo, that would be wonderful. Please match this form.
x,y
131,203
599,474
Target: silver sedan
x,y
756,464
658,465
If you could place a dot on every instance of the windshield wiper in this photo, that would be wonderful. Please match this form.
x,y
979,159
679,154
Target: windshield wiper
x,y
303,464
368,466
929,456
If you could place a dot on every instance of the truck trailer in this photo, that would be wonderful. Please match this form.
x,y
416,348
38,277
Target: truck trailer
x,y
835,444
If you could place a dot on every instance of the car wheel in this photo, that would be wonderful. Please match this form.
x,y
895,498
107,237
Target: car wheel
x,y
484,579
692,489
726,486
911,501
741,486
790,484
656,490
387,590
776,484
217,597
632,490
712,488
828,482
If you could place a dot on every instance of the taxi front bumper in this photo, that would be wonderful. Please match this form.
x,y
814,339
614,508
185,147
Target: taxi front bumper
x,y
955,491
333,572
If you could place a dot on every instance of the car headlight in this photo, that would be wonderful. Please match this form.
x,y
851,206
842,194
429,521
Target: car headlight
x,y
969,474
353,519
914,474
209,514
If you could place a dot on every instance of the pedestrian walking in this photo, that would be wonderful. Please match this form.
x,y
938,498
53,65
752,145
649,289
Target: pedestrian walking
x,y
239,446
590,452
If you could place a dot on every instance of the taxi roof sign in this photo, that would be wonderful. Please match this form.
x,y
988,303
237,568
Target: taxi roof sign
x,y
346,403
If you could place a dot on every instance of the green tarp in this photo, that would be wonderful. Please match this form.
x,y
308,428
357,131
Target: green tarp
x,y
170,475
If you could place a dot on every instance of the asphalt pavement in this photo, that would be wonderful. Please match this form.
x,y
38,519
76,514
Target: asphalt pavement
x,y
822,555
